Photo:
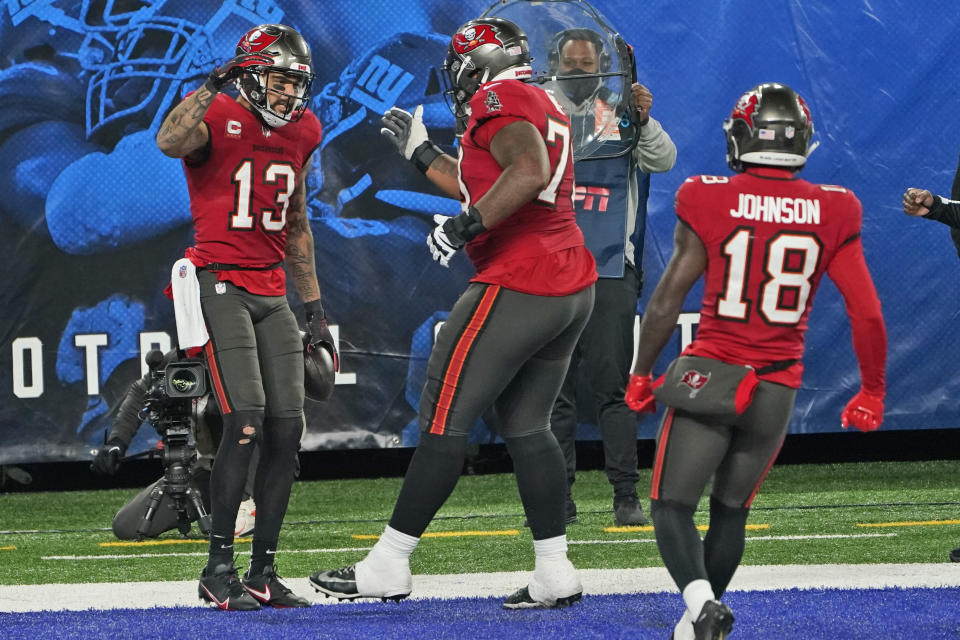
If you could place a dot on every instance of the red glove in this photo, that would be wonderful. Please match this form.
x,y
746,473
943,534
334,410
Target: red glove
x,y
865,411
639,395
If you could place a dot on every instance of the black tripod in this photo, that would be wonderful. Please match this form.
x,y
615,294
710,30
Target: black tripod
x,y
178,455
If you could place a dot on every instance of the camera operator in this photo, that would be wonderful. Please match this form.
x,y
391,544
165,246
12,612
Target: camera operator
x,y
207,431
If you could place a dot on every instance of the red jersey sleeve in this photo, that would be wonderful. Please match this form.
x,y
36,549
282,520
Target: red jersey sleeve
x,y
312,135
688,204
497,104
849,272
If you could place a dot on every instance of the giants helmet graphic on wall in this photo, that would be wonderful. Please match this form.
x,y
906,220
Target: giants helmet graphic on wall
x,y
361,177
770,125
291,57
481,50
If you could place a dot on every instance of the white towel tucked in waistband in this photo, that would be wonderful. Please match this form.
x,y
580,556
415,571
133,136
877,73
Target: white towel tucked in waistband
x,y
191,329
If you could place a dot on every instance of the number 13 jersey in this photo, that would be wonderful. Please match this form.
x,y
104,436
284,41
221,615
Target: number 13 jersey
x,y
240,194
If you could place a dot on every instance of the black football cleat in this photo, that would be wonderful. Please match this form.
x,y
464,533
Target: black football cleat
x,y
715,621
222,589
342,585
269,591
955,555
521,599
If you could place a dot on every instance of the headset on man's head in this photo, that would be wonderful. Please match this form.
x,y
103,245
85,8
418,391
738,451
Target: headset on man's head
x,y
563,37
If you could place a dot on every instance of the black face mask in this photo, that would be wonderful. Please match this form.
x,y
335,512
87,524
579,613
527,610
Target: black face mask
x,y
578,89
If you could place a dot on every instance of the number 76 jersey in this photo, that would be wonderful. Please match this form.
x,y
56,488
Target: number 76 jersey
x,y
770,237
544,225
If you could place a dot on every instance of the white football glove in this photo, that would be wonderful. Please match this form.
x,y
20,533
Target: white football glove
x,y
441,246
405,130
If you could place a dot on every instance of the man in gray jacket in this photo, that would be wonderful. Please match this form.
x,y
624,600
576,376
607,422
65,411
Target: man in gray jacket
x,y
611,205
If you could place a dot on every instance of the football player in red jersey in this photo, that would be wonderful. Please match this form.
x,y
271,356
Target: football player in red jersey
x,y
246,159
508,339
764,238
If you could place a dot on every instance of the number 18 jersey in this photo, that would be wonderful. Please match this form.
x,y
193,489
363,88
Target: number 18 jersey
x,y
770,237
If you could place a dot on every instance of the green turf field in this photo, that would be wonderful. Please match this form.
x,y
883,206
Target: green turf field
x,y
805,514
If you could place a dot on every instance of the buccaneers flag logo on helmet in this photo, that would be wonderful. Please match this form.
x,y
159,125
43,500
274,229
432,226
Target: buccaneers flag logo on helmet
x,y
746,107
256,40
475,36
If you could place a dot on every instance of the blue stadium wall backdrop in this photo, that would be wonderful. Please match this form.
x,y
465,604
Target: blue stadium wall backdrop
x,y
94,215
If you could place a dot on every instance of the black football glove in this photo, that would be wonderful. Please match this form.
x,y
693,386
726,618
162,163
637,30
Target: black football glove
x,y
318,333
452,233
107,461
233,69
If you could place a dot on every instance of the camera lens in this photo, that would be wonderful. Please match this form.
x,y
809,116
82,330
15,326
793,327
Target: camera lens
x,y
183,381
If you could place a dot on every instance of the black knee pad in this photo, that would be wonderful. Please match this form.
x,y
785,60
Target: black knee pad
x,y
283,433
666,507
720,511
530,444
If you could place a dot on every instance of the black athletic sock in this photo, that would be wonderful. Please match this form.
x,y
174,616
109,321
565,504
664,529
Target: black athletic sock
x,y
229,474
261,555
723,544
430,479
678,541
221,551
278,463
541,473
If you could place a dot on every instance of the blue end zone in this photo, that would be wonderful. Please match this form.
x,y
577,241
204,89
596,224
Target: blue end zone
x,y
825,614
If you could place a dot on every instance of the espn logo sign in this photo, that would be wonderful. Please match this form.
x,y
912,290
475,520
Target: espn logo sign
x,y
593,198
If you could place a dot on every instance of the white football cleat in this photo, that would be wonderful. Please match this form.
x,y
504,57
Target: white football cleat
x,y
555,585
246,518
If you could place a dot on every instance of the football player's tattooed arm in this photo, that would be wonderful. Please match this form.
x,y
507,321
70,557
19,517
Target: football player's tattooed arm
x,y
180,133
660,317
443,172
520,150
299,257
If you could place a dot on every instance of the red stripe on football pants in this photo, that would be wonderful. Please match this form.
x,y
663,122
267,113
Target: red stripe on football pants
x,y
460,353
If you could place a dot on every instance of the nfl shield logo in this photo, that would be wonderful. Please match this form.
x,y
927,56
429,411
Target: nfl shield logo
x,y
789,132
182,273
220,288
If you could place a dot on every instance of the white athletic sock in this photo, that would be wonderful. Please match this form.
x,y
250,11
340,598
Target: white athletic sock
x,y
395,545
696,595
684,628
550,548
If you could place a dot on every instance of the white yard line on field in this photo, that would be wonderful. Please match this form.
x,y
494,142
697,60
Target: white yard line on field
x,y
749,538
145,595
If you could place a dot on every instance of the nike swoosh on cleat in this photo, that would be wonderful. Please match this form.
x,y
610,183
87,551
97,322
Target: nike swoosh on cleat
x,y
263,596
223,605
